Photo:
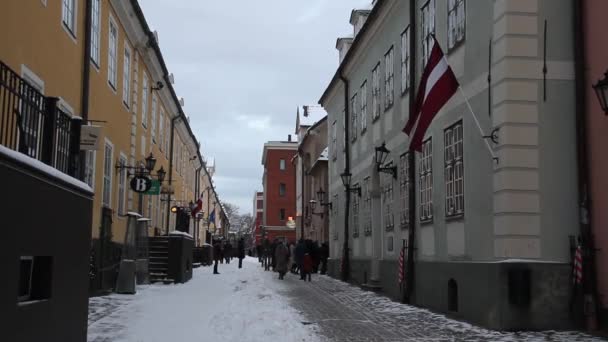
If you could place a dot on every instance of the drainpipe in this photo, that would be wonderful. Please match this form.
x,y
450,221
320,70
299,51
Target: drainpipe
x,y
589,266
86,77
301,156
197,188
408,296
173,121
346,252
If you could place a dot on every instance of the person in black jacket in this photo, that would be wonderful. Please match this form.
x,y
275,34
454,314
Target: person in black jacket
x,y
217,255
241,251
228,251
324,254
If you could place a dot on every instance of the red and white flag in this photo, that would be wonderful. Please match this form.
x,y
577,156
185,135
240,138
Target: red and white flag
x,y
197,207
402,266
437,86
578,265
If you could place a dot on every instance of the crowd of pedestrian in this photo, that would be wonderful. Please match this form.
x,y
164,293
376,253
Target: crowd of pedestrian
x,y
304,258
223,251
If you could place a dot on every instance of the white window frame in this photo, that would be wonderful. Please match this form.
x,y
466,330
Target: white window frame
x,y
89,168
353,117
334,140
122,185
108,173
405,60
153,118
161,129
454,170
37,83
363,111
282,165
367,207
376,92
143,145
126,76
69,16
356,204
428,29
144,101
387,202
457,19
113,54
426,181
96,33
150,211
389,78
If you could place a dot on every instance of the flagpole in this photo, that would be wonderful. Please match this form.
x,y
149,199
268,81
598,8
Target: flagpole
x,y
477,122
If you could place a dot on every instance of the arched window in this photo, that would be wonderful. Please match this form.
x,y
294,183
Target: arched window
x,y
452,295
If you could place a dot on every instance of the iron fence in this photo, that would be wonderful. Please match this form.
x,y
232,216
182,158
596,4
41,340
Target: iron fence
x,y
34,125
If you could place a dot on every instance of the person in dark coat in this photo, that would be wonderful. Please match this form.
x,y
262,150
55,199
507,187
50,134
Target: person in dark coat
x,y
299,257
273,249
241,252
227,251
281,259
258,250
316,256
307,266
324,254
266,255
217,255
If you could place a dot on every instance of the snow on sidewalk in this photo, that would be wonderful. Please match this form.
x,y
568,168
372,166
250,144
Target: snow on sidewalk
x,y
238,305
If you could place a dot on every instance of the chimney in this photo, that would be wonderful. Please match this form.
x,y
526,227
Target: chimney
x,y
343,45
289,138
305,111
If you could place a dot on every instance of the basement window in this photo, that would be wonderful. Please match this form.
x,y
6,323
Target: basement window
x,y
35,278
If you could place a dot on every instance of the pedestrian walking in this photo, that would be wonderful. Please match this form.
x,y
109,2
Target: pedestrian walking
x,y
228,252
307,267
292,257
299,257
217,255
281,259
222,246
324,254
241,251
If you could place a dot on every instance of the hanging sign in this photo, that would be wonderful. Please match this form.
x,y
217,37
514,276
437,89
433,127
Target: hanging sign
x,y
141,184
155,188
89,138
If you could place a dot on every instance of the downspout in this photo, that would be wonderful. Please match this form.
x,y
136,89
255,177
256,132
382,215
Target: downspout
x,y
408,296
346,252
86,78
173,121
589,266
197,188
301,156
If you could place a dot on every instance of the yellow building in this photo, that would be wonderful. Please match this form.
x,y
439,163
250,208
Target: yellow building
x,y
124,87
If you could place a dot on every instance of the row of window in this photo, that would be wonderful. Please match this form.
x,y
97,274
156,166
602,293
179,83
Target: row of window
x,y
358,103
454,187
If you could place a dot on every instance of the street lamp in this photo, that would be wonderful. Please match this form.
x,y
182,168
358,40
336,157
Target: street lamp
x,y
381,154
321,199
601,90
161,173
346,178
150,162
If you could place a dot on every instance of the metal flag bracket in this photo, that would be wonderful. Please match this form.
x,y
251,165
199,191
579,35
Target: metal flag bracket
x,y
493,136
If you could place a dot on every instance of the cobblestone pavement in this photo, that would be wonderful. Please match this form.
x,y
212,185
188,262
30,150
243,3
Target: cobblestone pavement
x,y
342,312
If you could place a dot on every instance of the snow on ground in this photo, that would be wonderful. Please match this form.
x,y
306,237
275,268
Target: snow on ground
x,y
238,305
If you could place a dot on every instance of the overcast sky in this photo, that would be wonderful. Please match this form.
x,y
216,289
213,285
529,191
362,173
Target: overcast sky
x,y
243,67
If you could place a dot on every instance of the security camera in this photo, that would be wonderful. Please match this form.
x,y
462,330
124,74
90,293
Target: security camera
x,y
159,86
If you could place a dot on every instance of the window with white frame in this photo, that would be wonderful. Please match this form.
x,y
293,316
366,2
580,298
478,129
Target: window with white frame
x,y
107,175
387,203
404,188
336,206
428,29
389,78
95,31
282,165
344,130
353,117
376,92
426,182
405,60
161,129
143,145
112,53
68,15
167,135
163,212
126,77
89,168
334,140
356,200
454,171
367,207
122,180
153,117
363,111
456,22
144,102
150,209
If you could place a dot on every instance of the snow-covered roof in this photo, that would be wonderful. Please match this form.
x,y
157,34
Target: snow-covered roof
x,y
322,158
307,116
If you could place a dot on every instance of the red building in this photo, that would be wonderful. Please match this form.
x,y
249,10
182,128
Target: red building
x,y
258,211
278,219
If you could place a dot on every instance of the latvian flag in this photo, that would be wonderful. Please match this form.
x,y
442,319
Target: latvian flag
x,y
437,85
197,207
578,266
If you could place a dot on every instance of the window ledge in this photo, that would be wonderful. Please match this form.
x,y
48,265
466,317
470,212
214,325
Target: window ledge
x,y
426,222
456,46
69,32
454,217
31,302
374,120
405,92
112,87
389,107
363,130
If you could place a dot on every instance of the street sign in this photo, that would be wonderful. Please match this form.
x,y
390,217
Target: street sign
x,y
141,184
154,189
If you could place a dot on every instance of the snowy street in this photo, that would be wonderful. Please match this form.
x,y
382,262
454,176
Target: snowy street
x,y
249,304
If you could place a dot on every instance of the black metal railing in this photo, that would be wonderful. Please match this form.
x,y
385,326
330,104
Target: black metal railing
x,y
34,125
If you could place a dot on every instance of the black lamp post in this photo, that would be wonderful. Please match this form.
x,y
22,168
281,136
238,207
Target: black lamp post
x,y
346,178
601,90
321,199
381,154
150,162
